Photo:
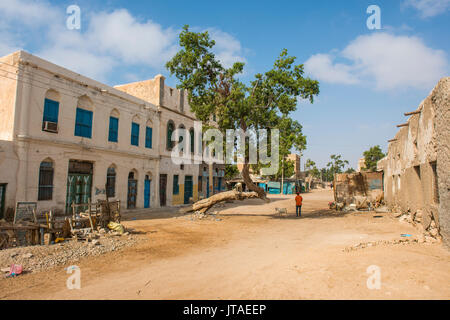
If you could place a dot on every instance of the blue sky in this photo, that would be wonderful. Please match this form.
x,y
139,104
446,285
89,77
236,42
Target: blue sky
x,y
368,78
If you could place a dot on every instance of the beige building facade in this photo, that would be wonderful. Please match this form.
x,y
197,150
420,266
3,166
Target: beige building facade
x,y
416,169
65,138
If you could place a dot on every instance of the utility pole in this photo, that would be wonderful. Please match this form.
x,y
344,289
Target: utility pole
x,y
282,175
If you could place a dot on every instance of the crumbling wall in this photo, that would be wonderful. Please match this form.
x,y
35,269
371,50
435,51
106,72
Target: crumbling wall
x,y
360,188
417,166
441,98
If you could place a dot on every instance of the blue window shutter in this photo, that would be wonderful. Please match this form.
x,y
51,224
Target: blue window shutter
x,y
51,110
83,123
148,138
134,134
89,124
77,123
113,129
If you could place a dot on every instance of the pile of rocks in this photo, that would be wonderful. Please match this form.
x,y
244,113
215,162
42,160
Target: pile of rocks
x,y
197,215
37,258
364,245
428,230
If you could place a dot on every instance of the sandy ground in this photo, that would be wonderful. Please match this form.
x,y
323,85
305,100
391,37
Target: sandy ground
x,y
250,253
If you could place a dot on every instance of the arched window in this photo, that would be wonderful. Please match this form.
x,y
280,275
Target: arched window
x,y
135,128
170,130
113,135
83,120
51,111
181,135
111,182
148,135
45,191
191,135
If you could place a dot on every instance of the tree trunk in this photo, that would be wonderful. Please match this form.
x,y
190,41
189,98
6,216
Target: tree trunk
x,y
249,183
205,204
246,174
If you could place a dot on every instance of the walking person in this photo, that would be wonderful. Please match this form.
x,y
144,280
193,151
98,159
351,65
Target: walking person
x,y
298,204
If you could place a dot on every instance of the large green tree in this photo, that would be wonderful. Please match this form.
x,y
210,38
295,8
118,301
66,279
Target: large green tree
x,y
265,103
371,157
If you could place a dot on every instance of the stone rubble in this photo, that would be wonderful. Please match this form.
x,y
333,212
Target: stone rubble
x,y
430,234
38,258
363,245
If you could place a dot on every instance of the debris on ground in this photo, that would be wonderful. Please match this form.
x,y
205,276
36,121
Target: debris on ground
x,y
116,227
43,257
15,270
428,230
198,215
364,245
28,228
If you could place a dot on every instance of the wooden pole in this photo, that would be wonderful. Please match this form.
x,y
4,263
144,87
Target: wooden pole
x,y
282,175
411,113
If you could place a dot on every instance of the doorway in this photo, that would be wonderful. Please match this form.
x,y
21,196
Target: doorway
x,y
162,189
79,184
132,191
147,185
2,199
188,188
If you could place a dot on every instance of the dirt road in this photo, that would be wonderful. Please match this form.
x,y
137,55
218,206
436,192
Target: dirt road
x,y
249,253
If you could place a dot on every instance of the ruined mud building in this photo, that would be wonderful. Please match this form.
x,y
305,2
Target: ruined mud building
x,y
359,188
416,168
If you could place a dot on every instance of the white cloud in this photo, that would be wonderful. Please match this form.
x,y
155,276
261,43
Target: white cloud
x,y
428,8
106,39
384,60
133,42
228,49
110,39
321,66
28,12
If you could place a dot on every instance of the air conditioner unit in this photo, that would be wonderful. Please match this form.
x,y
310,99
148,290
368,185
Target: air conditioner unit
x,y
50,126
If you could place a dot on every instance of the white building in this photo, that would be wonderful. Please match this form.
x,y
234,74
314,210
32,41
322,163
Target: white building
x,y
66,138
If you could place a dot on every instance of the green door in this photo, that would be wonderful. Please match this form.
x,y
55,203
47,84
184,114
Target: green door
x,y
78,189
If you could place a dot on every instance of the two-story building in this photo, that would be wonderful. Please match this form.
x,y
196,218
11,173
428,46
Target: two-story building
x,y
65,138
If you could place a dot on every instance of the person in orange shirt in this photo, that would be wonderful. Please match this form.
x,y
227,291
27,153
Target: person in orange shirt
x,y
298,204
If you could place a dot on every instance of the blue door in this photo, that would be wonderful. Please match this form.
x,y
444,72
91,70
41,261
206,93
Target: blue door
x,y
219,184
147,193
207,187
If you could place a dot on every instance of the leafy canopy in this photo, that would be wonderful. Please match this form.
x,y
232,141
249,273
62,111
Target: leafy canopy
x,y
371,157
263,104
337,164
